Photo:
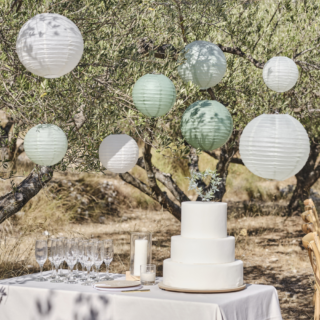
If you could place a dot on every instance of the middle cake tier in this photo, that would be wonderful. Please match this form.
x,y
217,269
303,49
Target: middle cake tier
x,y
197,250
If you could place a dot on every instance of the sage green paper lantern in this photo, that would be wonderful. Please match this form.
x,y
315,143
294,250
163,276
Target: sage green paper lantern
x,y
154,95
45,144
207,125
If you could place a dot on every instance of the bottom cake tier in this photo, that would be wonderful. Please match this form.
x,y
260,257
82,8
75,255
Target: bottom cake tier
x,y
203,276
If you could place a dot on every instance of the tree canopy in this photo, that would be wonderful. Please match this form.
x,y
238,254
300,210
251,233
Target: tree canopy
x,y
125,40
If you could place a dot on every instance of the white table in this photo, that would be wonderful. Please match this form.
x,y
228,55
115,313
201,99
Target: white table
x,y
30,300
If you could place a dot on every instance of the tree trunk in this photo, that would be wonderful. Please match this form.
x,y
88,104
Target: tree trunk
x,y
225,157
152,189
9,150
306,178
193,165
13,201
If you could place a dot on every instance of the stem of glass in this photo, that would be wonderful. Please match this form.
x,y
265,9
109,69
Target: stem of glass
x,y
107,269
98,270
56,271
88,272
71,273
60,269
41,268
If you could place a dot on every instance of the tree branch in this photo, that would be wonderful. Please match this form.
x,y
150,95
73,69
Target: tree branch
x,y
237,51
183,31
127,177
274,14
162,197
210,91
145,45
13,201
305,51
302,63
167,181
214,155
164,200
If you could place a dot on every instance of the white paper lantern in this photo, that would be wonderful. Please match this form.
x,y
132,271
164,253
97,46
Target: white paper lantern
x,y
49,45
205,64
45,144
118,153
280,74
274,146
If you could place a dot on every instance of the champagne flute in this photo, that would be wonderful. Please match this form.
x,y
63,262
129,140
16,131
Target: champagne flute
x,y
62,256
108,256
80,255
76,272
98,257
50,257
41,253
71,256
57,257
88,259
93,273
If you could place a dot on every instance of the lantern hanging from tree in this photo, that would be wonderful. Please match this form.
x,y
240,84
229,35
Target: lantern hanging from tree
x,y
274,146
280,74
49,45
206,125
154,95
118,153
45,144
205,64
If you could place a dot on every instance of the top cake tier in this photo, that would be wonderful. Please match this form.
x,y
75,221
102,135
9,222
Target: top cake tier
x,y
204,219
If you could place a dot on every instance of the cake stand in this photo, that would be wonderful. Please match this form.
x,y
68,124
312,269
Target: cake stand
x,y
168,288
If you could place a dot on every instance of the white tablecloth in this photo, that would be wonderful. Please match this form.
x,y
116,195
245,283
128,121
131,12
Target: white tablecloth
x,y
30,300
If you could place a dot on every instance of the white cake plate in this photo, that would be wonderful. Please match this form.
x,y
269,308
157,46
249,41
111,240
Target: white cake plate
x,y
168,288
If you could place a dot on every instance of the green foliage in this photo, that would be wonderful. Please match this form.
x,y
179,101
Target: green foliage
x,y
98,91
202,176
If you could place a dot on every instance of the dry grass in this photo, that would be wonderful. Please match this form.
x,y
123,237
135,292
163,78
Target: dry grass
x,y
94,205
270,247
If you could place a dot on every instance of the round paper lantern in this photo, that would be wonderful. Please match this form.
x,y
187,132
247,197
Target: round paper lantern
x,y
45,144
205,64
118,153
207,125
49,45
274,146
154,95
280,74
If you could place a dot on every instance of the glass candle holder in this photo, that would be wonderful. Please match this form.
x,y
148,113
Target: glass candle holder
x,y
141,245
148,274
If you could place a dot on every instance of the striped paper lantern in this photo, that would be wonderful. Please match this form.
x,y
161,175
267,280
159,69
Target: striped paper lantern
x,y
45,144
49,45
118,153
154,95
280,74
206,125
274,146
205,64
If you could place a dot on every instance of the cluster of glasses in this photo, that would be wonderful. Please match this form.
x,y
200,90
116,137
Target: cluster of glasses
x,y
89,253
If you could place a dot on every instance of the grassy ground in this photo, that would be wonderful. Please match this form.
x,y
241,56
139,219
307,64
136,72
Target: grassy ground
x,y
97,206
270,247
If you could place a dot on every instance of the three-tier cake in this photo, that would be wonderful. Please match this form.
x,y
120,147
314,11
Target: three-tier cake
x,y
202,257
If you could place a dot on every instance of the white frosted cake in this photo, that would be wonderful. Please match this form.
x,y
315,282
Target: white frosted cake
x,y
202,257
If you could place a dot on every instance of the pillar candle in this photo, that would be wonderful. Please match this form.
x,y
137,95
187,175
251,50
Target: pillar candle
x,y
140,254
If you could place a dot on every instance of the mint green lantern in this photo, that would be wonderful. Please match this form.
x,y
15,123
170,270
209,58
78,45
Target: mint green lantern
x,y
207,125
154,95
45,144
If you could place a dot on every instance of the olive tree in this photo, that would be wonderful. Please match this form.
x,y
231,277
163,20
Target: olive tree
x,y
127,39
